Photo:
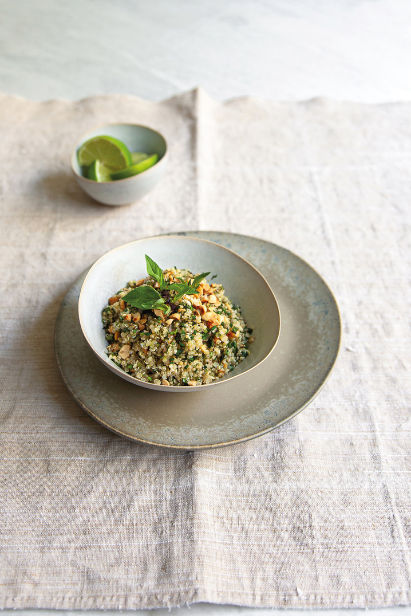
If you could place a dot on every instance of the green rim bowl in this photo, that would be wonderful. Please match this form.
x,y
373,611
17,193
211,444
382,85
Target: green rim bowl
x,y
137,138
243,284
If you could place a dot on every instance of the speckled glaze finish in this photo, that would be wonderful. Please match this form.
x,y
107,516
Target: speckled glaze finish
x,y
122,192
269,395
243,284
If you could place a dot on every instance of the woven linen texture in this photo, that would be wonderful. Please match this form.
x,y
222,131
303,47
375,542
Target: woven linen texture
x,y
314,514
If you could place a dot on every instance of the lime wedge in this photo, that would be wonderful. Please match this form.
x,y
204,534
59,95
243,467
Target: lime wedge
x,y
138,157
99,172
108,150
135,169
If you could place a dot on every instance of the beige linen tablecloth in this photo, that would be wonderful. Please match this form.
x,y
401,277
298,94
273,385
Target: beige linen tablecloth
x,y
315,514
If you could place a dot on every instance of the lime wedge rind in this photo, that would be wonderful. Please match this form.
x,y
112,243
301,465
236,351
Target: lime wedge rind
x,y
110,151
132,170
137,157
99,172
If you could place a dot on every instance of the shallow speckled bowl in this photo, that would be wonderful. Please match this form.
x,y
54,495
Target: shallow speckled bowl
x,y
138,139
243,284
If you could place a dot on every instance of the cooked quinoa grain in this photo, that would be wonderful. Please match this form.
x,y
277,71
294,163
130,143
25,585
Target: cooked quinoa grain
x,y
200,340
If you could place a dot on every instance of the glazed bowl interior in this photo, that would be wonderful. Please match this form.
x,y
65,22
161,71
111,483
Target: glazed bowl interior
x,y
243,285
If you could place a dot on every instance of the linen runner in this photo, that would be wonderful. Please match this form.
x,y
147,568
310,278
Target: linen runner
x,y
314,514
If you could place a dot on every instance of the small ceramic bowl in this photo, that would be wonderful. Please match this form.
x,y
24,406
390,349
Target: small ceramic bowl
x,y
122,192
243,284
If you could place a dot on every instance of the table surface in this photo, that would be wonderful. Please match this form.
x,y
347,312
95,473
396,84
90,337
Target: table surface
x,y
283,49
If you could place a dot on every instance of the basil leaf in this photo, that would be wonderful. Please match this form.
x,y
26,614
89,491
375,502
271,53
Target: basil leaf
x,y
155,271
177,286
199,278
142,297
161,305
181,288
191,290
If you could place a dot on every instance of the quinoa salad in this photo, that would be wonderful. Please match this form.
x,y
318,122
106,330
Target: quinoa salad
x,y
191,339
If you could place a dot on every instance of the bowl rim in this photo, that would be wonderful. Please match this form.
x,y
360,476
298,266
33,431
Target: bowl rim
x,y
74,151
174,388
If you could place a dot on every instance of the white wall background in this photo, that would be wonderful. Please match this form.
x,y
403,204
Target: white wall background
x,y
280,49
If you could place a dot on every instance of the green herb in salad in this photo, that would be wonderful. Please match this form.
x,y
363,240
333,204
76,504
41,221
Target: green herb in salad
x,y
146,297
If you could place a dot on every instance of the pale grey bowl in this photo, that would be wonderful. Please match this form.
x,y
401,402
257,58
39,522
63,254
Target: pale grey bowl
x,y
243,284
138,139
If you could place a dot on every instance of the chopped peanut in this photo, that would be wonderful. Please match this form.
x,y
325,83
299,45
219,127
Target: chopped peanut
x,y
140,282
110,329
209,316
165,382
113,299
122,304
169,321
143,320
159,313
116,335
231,335
197,304
175,316
213,318
114,347
194,300
210,299
124,352
192,383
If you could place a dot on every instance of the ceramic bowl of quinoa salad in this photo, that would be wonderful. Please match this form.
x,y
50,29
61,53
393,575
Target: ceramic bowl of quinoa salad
x,y
178,314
